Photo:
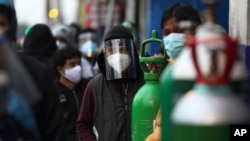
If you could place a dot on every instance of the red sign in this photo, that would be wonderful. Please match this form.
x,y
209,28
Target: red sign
x,y
96,14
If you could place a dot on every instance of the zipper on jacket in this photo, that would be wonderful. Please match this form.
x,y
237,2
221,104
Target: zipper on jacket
x,y
125,86
77,103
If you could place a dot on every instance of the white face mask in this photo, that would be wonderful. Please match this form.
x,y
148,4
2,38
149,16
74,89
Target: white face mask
x,y
74,74
119,62
60,45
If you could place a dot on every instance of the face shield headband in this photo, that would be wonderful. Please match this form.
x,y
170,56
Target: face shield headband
x,y
120,59
88,36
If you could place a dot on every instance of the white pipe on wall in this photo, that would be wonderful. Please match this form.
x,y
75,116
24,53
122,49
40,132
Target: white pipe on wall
x,y
239,20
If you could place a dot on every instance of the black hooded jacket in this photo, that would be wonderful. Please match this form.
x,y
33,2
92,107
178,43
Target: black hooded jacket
x,y
104,106
71,101
48,111
39,42
107,104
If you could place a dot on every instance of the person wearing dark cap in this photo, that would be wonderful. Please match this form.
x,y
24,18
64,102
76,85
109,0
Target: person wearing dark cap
x,y
40,44
64,35
107,100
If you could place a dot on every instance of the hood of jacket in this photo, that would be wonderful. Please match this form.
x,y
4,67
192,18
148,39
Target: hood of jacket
x,y
39,41
13,20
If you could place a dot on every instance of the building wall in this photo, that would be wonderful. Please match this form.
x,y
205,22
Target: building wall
x,y
239,27
30,12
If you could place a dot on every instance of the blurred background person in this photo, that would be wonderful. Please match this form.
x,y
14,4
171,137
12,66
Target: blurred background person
x,y
89,47
40,44
17,93
76,28
47,110
64,35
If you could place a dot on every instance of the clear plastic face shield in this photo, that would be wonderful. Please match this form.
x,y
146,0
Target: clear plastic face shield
x,y
120,59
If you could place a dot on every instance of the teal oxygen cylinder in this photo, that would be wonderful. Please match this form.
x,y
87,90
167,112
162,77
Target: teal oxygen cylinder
x,y
176,79
146,102
205,112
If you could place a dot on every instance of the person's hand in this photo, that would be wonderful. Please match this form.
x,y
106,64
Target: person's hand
x,y
154,67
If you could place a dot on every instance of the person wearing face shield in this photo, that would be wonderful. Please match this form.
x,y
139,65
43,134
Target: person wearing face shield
x,y
174,41
63,35
70,87
107,100
89,47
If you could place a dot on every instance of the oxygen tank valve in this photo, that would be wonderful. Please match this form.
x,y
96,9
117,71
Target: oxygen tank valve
x,y
209,13
147,97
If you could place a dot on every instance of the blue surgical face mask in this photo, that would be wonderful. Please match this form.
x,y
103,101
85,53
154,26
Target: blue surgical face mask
x,y
88,49
174,43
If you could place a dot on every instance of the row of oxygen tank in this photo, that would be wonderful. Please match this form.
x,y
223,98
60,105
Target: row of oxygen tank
x,y
200,94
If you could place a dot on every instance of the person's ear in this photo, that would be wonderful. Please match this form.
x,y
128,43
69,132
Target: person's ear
x,y
60,70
